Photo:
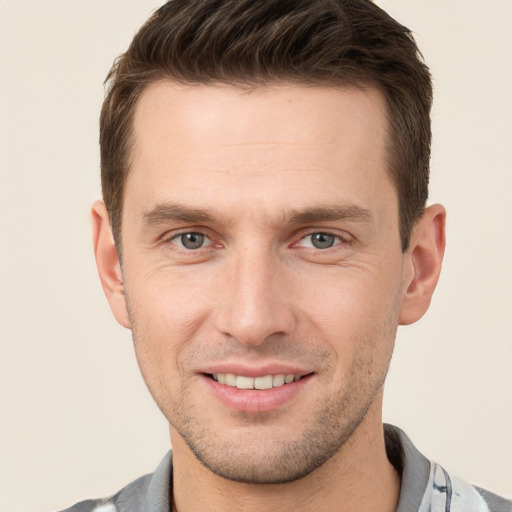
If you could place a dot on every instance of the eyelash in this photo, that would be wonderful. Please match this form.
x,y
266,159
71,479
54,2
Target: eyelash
x,y
175,236
341,240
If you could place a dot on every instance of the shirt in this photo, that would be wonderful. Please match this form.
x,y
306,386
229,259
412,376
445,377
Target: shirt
x,y
425,487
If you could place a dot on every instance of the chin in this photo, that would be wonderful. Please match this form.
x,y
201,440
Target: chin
x,y
261,454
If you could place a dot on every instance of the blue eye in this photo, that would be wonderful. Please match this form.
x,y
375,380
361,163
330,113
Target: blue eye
x,y
191,240
322,240
319,240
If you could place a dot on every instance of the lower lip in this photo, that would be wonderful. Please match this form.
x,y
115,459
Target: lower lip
x,y
256,400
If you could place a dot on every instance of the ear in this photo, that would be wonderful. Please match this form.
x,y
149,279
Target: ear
x,y
107,261
422,262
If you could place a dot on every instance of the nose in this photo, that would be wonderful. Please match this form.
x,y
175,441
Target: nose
x,y
256,304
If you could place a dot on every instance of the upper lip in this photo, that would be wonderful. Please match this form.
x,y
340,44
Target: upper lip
x,y
256,371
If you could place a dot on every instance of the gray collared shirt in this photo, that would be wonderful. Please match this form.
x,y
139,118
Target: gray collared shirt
x,y
426,487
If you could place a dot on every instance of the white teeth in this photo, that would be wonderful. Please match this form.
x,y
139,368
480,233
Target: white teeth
x,y
278,380
230,379
244,382
265,382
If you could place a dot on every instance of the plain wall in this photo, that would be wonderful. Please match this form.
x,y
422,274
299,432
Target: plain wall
x,y
76,419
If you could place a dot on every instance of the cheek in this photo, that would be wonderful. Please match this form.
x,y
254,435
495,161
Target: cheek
x,y
166,302
165,312
171,314
354,311
348,297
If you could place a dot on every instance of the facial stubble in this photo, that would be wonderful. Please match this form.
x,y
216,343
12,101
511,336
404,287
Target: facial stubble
x,y
247,455
253,453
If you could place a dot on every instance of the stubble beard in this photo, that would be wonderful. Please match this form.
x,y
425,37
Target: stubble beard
x,y
253,454
255,460
287,457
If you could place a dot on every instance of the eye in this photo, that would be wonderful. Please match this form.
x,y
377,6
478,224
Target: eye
x,y
191,240
319,240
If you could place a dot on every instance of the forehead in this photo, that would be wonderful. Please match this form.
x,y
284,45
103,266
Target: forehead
x,y
270,144
262,115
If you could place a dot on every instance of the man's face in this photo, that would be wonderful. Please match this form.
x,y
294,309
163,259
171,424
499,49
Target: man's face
x,y
261,241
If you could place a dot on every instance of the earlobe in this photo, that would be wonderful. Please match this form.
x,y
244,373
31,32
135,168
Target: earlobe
x,y
423,261
108,264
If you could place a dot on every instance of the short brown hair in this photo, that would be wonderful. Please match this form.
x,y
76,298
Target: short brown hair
x,y
259,42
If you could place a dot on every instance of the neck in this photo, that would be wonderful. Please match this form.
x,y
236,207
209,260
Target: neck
x,y
358,477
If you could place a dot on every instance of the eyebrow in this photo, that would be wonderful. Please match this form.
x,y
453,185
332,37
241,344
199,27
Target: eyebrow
x,y
175,212
329,213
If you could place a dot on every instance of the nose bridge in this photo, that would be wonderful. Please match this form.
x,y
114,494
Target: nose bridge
x,y
255,307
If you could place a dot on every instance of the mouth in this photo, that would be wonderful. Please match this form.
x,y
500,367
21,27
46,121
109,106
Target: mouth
x,y
259,383
261,390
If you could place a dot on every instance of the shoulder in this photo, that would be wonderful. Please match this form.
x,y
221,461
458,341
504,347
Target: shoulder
x,y
149,492
428,487
448,492
133,495
92,506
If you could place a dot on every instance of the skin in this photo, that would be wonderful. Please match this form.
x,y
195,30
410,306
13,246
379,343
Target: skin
x,y
257,174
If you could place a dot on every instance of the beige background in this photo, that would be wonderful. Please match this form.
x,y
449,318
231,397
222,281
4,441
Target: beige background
x,y
76,420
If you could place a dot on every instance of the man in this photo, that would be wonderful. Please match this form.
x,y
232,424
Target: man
x,y
264,231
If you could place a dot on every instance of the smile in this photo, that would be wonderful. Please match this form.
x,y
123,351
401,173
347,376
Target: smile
x,y
265,382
